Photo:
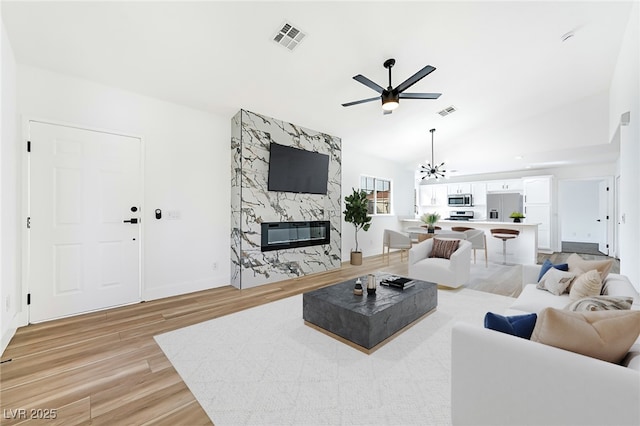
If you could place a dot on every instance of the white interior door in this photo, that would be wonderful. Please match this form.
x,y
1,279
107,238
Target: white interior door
x,y
83,185
603,217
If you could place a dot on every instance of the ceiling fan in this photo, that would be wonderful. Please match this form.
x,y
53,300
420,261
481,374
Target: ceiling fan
x,y
391,96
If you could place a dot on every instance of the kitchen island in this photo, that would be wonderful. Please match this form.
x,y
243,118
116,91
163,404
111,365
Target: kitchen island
x,y
521,250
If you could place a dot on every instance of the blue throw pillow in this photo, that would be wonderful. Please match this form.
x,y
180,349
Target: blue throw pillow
x,y
517,325
548,265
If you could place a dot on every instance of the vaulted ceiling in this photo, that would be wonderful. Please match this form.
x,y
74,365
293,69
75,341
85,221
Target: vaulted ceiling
x,y
519,90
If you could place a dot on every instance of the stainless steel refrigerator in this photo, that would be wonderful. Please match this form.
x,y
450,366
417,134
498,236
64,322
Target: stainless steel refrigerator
x,y
500,206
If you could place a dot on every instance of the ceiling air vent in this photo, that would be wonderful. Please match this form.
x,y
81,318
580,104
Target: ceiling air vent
x,y
289,36
447,111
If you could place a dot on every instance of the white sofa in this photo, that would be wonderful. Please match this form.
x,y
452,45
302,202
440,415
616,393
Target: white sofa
x,y
453,272
533,300
499,379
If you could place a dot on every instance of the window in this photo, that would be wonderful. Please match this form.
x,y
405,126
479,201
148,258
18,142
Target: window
x,y
378,193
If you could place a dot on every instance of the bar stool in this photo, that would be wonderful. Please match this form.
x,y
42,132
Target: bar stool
x,y
478,240
504,234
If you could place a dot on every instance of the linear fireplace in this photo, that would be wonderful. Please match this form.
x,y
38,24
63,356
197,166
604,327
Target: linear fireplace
x,y
283,235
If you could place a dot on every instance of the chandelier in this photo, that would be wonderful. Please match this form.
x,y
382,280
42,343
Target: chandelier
x,y
432,170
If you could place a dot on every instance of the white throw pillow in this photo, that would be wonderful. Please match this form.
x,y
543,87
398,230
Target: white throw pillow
x,y
555,281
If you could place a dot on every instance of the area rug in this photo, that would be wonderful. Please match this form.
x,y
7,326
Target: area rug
x,y
263,366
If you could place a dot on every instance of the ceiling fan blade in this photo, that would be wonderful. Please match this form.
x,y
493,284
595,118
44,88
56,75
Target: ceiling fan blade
x,y
364,80
361,101
420,95
414,78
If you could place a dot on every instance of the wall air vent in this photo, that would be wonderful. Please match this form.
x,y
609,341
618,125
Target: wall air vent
x,y
289,36
447,111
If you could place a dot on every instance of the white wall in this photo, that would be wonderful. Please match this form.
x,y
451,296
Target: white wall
x,y
355,163
186,168
9,196
624,96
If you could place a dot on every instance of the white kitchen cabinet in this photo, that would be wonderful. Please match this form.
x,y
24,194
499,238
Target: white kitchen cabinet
x,y
537,207
433,195
507,185
479,192
537,190
540,214
441,195
459,188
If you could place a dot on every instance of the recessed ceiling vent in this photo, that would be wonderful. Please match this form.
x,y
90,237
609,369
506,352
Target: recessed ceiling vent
x,y
447,111
289,36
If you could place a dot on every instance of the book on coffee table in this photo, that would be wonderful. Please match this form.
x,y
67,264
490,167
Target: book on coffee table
x,y
397,282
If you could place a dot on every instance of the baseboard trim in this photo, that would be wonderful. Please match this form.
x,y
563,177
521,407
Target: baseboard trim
x,y
6,338
181,288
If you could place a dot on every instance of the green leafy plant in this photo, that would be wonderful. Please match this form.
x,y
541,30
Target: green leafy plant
x,y
355,212
430,219
516,215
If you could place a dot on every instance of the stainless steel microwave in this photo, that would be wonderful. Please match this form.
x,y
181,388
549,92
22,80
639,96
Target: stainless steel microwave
x,y
460,200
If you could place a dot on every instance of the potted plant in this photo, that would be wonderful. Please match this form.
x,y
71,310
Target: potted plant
x,y
430,219
516,216
355,212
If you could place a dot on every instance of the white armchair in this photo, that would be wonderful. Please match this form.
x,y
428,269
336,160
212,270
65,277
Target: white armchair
x,y
478,240
452,272
395,240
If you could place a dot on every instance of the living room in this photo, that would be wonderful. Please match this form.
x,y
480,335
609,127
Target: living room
x,y
186,161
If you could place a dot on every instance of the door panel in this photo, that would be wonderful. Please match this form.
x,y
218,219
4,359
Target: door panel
x,y
67,266
82,185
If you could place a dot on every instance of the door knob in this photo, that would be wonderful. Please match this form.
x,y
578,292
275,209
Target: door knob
x,y
132,220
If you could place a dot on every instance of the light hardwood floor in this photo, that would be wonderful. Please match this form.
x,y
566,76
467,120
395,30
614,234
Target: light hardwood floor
x,y
106,368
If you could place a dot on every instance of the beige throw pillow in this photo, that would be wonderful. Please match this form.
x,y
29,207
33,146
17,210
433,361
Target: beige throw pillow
x,y
444,248
586,285
555,281
577,263
606,335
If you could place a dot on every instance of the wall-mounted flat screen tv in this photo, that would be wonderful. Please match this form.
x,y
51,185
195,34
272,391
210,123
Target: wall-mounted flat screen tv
x,y
296,170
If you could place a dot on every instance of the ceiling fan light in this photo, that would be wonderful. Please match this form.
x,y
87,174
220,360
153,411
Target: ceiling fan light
x,y
390,99
389,104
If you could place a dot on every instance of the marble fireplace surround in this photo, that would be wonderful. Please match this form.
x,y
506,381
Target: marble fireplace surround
x,y
253,204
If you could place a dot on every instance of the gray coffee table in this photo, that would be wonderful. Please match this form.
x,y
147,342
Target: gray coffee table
x,y
367,322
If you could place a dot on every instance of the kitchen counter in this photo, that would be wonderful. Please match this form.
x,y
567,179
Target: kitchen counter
x,y
486,222
521,250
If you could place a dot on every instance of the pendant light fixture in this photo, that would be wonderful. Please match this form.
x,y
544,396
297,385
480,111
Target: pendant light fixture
x,y
431,170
